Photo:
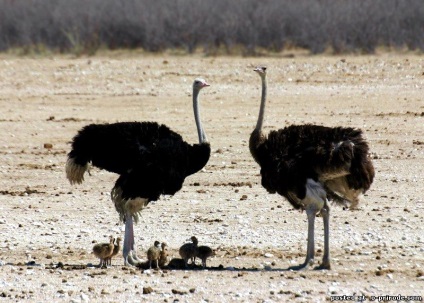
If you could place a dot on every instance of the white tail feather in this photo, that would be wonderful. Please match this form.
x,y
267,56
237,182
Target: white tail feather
x,y
75,172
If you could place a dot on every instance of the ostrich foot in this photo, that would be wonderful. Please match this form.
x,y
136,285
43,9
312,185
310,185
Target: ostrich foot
x,y
132,259
305,266
323,265
134,256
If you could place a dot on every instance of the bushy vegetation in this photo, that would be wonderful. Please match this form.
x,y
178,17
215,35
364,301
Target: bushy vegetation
x,y
84,26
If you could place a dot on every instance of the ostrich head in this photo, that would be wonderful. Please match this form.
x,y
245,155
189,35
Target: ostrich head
x,y
156,244
194,240
261,70
199,83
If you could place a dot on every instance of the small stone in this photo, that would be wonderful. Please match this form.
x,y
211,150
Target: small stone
x,y
179,291
84,298
268,255
147,290
48,145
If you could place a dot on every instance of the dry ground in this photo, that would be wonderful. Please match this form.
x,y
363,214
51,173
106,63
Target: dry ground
x,y
376,250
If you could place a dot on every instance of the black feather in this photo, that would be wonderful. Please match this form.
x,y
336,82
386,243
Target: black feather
x,y
150,158
290,156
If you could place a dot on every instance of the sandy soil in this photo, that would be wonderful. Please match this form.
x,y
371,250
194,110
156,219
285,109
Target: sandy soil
x,y
376,251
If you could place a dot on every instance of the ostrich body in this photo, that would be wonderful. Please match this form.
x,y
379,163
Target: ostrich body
x,y
204,252
116,249
310,165
150,159
153,254
103,251
163,255
188,251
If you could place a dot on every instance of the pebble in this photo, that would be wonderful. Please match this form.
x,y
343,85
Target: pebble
x,y
179,291
269,255
84,298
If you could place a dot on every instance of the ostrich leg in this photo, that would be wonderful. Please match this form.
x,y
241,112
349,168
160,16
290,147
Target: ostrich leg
x,y
310,251
130,257
325,213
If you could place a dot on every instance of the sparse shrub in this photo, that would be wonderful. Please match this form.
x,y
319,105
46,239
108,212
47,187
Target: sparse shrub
x,y
83,26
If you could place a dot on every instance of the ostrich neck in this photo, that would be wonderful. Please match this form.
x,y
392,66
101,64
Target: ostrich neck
x,y
257,137
200,130
260,122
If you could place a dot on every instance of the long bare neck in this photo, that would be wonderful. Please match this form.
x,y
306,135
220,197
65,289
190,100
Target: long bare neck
x,y
261,116
257,137
196,108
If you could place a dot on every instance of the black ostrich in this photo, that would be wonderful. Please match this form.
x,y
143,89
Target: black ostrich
x,y
151,160
310,165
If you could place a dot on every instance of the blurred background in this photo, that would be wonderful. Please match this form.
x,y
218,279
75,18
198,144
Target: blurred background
x,y
248,27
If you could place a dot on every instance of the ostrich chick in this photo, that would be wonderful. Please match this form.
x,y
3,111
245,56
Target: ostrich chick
x,y
103,251
116,249
189,251
204,252
153,254
163,258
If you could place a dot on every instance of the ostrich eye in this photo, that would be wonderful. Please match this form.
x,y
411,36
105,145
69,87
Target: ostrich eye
x,y
196,82
264,68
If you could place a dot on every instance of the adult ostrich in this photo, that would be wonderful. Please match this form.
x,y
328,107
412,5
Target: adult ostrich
x,y
310,165
150,159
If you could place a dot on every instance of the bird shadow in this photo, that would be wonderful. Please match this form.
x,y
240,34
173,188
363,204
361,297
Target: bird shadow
x,y
178,266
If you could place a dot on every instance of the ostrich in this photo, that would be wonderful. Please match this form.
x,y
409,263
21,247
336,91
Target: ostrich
x,y
163,255
150,159
204,252
116,249
103,251
153,254
189,251
310,165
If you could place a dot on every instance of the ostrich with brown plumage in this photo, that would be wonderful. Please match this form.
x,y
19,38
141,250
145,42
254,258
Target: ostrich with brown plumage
x,y
188,251
153,254
103,251
116,249
311,165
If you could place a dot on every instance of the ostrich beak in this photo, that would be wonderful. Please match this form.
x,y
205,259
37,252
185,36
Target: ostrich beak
x,y
260,69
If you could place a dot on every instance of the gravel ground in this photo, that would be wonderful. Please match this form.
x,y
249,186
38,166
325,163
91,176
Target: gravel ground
x,y
48,227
